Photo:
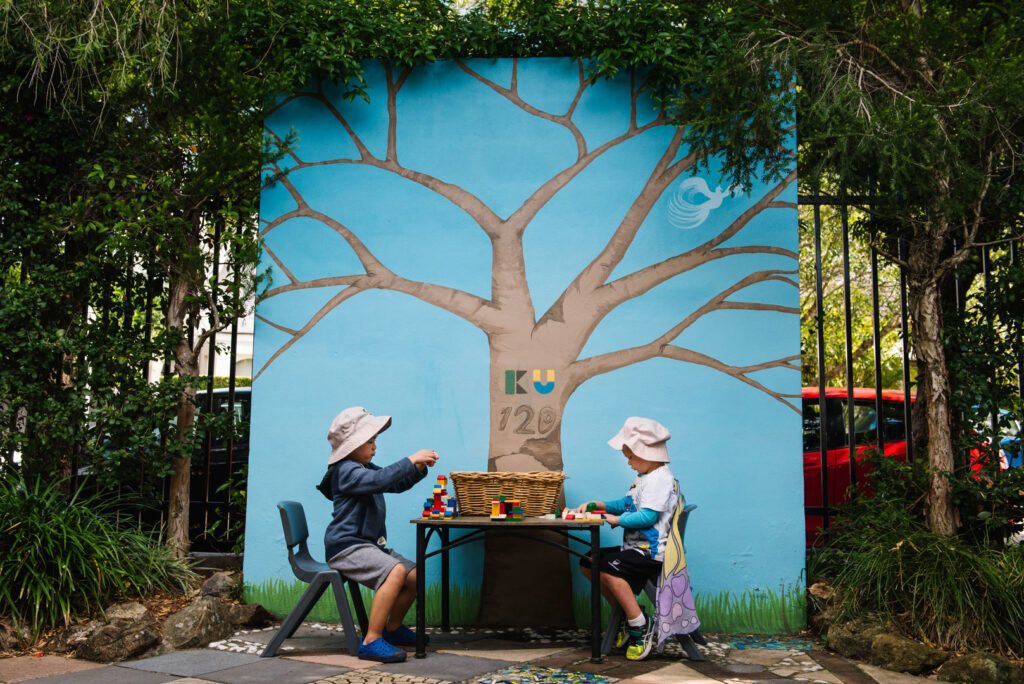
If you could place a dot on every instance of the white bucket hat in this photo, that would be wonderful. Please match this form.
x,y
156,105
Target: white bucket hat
x,y
645,437
353,428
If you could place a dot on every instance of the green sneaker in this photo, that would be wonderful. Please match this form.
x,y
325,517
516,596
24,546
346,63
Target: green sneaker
x,y
641,640
622,638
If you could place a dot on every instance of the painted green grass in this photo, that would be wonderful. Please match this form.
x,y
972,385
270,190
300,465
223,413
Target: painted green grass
x,y
279,596
757,611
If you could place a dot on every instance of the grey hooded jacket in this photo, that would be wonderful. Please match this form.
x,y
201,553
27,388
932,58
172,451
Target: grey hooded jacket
x,y
358,495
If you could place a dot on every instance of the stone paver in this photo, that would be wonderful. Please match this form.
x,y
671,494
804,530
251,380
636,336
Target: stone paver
x,y
275,671
512,655
677,673
192,663
767,657
334,660
444,667
889,677
111,674
841,667
23,668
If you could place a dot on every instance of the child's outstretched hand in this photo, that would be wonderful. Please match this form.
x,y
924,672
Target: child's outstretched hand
x,y
424,458
597,506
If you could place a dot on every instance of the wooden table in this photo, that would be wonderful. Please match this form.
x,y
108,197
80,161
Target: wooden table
x,y
480,525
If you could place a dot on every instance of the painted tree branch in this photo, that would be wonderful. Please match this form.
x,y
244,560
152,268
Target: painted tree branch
x,y
638,282
661,346
512,95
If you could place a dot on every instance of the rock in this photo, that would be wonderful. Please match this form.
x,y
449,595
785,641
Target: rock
x,y
9,635
119,640
204,620
71,638
854,639
219,584
132,610
162,648
821,590
251,615
901,654
822,621
981,668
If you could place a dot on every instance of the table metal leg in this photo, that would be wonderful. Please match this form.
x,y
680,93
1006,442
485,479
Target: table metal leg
x,y
421,598
595,594
445,596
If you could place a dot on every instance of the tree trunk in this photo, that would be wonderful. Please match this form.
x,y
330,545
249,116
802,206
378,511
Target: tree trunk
x,y
187,365
934,388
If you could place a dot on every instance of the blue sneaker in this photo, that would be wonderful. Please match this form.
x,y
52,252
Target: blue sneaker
x,y
381,651
403,636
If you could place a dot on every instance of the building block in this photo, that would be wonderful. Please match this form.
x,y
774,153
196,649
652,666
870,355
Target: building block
x,y
440,505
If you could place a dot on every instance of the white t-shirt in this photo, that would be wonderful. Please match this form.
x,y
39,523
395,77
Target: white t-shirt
x,y
655,490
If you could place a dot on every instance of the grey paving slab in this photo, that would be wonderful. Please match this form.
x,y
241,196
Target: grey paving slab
x,y
444,666
192,663
113,674
304,639
275,671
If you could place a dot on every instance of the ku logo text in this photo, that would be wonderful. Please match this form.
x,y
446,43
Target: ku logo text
x,y
514,380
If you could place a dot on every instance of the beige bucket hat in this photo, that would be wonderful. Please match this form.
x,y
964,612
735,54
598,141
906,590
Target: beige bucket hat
x,y
645,437
352,428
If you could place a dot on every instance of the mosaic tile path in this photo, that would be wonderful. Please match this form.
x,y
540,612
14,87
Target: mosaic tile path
x,y
316,655
532,674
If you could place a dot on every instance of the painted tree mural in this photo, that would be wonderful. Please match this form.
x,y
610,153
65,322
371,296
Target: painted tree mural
x,y
537,357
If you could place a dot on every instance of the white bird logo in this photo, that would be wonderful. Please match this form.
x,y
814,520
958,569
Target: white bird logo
x,y
693,201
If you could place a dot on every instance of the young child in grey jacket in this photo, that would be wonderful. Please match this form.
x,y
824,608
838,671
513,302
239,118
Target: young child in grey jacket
x,y
356,538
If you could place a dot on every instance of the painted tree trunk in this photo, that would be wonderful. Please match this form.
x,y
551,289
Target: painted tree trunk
x,y
528,394
529,389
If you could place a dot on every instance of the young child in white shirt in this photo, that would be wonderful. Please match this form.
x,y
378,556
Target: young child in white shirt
x,y
644,514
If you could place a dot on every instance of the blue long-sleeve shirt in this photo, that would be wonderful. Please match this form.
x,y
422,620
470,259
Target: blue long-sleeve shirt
x,y
358,494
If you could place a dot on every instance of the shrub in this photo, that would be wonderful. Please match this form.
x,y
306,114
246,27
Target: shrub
x,y
945,590
63,556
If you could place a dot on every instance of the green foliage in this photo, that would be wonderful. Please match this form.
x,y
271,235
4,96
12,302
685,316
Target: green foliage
x,y
688,57
862,330
223,382
64,557
883,560
912,105
230,522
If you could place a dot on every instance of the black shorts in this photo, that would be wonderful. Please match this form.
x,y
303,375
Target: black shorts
x,y
632,565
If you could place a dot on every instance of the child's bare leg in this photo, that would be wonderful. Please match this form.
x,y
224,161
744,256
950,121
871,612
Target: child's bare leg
x,y
604,589
620,589
405,598
383,601
618,592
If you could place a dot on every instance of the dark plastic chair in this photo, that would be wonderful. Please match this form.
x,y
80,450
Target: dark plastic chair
x,y
320,576
687,641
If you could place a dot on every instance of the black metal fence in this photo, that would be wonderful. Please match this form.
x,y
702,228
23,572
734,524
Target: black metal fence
x,y
216,511
882,437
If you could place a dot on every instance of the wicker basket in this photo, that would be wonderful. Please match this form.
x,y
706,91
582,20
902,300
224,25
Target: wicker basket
x,y
538,490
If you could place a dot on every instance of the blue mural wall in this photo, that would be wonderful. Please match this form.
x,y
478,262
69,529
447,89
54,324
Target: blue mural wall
x,y
479,217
